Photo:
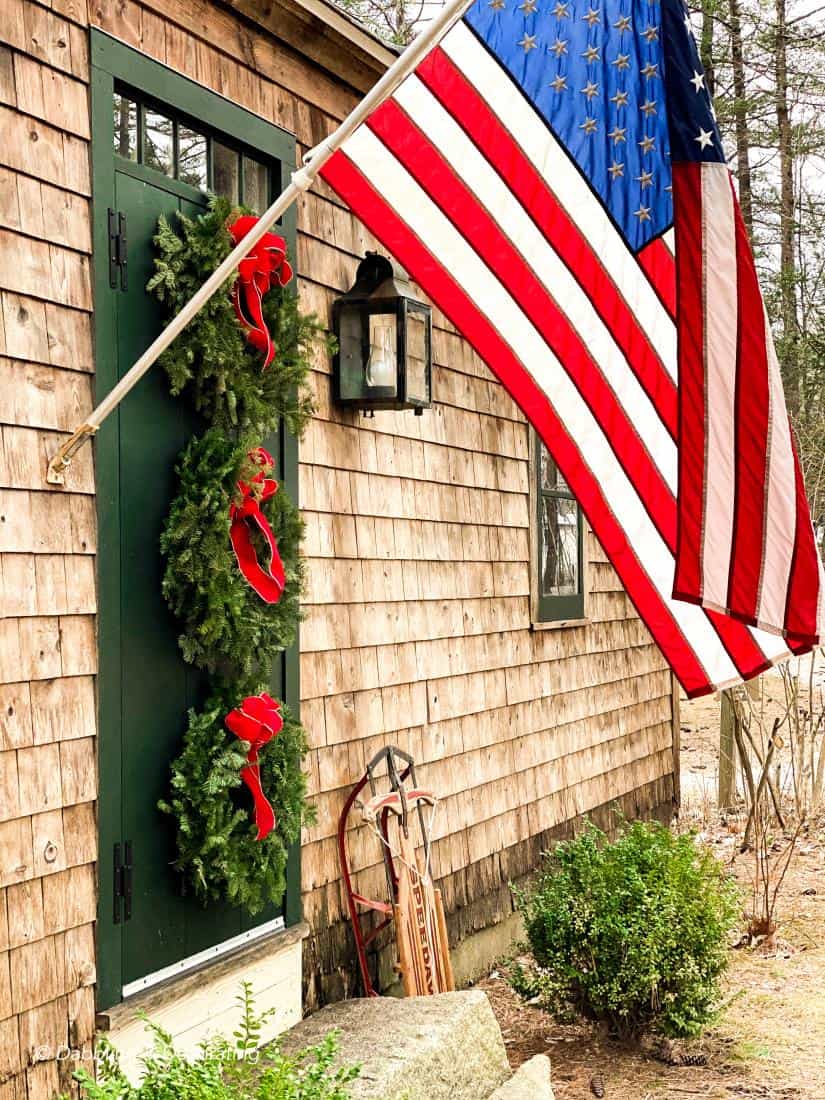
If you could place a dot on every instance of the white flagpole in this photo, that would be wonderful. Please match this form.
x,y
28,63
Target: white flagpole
x,y
302,179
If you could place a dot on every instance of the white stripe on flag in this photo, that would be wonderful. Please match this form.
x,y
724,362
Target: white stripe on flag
x,y
780,511
564,179
669,238
773,646
516,224
720,345
455,255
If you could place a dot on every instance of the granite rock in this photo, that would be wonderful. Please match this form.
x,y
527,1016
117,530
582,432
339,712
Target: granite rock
x,y
531,1081
447,1047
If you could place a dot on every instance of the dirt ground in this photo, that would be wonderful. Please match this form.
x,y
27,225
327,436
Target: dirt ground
x,y
769,1041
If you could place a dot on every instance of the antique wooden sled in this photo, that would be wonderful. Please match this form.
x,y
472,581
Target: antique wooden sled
x,y
413,906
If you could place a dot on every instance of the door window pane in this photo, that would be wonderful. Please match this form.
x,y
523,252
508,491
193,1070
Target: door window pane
x,y
158,142
255,185
560,546
165,143
125,128
225,171
192,157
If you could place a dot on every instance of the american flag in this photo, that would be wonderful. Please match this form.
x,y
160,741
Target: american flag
x,y
529,175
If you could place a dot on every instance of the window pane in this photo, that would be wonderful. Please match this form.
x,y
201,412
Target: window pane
x,y
559,546
125,119
255,185
225,171
158,142
417,387
191,157
551,475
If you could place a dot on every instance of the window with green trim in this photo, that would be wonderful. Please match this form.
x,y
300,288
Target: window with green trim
x,y
166,142
560,544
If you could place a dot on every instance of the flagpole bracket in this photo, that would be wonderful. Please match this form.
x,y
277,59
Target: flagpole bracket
x,y
62,460
302,178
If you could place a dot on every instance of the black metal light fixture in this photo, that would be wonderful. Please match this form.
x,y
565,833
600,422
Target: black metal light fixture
x,y
384,333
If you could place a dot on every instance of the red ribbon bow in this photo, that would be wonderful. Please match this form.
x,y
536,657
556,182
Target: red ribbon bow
x,y
266,263
257,720
268,583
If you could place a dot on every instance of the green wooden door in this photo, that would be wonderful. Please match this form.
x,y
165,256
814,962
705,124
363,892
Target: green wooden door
x,y
143,169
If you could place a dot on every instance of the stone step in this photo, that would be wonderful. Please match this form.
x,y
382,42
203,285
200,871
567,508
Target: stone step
x,y
531,1081
447,1047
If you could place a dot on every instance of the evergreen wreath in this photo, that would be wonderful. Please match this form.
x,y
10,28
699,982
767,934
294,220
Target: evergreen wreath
x,y
212,362
217,849
226,628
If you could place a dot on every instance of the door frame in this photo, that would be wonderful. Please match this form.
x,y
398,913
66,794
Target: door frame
x,y
111,61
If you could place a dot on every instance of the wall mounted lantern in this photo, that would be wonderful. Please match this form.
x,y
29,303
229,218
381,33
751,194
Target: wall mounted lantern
x,y
384,333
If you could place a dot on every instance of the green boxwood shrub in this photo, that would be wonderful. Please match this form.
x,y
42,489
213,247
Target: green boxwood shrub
x,y
632,931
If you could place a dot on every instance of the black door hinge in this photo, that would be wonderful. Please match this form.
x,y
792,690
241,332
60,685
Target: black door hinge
x,y
122,882
118,269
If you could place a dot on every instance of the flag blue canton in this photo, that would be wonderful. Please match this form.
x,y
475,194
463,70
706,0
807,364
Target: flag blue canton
x,y
694,135
601,74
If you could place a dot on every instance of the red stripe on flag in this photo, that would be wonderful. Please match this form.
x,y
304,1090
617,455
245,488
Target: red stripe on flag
x,y
458,203
803,583
458,96
752,433
687,204
738,641
343,176
658,264
460,206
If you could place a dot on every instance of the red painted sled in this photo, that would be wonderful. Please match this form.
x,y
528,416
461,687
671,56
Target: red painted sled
x,y
414,907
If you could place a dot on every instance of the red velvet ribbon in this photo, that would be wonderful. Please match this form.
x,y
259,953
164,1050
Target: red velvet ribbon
x,y
257,720
269,583
265,264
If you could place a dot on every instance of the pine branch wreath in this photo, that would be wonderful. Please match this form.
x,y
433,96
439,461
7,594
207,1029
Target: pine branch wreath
x,y
217,849
211,361
226,627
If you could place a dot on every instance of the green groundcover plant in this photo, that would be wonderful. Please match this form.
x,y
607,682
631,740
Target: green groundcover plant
x,y
633,932
224,1069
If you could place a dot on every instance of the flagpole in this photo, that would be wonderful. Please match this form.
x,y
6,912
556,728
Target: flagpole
x,y
301,180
